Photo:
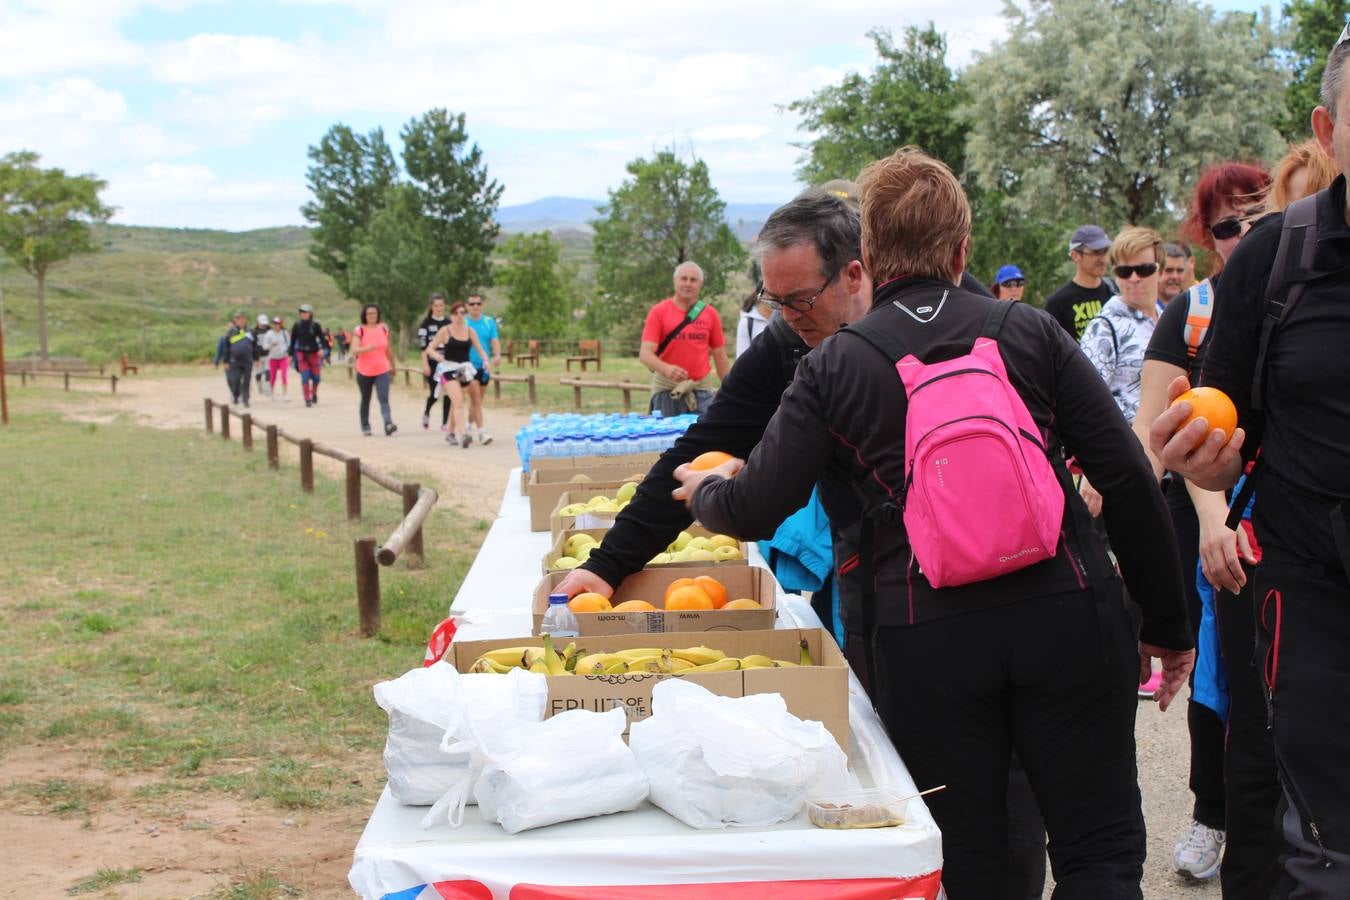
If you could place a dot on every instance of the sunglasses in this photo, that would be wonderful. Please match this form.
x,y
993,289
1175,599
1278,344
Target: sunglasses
x,y
475,304
1143,270
1227,228
1014,282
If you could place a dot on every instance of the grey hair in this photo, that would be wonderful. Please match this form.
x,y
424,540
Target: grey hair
x,y
1331,77
688,264
827,222
1172,248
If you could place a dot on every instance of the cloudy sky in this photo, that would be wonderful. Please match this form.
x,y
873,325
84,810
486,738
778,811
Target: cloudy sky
x,y
199,112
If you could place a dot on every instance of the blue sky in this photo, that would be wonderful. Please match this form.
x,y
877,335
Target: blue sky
x,y
199,112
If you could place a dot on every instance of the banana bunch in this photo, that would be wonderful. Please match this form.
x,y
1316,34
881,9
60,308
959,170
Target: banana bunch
x,y
656,660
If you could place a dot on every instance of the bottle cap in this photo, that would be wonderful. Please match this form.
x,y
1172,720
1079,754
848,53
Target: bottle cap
x,y
554,599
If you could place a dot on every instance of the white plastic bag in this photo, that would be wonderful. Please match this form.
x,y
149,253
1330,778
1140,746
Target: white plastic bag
x,y
572,766
427,704
713,761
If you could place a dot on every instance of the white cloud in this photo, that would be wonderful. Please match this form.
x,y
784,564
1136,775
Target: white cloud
x,y
193,196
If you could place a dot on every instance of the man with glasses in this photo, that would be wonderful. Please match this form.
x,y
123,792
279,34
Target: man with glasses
x,y
489,336
1178,273
680,333
1080,300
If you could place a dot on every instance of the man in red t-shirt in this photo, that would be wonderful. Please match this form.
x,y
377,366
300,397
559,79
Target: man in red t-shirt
x,y
679,334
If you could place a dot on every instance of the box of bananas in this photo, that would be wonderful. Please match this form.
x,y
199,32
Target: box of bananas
x,y
601,672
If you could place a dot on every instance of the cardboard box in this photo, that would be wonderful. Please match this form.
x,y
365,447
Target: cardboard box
x,y
546,564
545,486
558,523
818,692
754,582
585,462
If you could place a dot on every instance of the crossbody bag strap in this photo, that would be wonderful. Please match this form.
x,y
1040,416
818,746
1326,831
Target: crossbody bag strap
x,y
694,312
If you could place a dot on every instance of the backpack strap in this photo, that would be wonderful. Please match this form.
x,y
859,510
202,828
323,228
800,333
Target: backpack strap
x,y
889,343
1291,271
1115,339
1199,311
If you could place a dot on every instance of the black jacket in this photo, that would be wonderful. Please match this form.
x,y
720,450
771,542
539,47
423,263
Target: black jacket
x,y
844,417
308,337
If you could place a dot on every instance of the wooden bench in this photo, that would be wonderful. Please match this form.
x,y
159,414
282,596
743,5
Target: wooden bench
x,y
589,352
532,357
128,367
626,386
498,378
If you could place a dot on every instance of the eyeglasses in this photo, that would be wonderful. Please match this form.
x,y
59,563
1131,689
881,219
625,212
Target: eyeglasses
x,y
1013,282
792,303
475,304
1143,270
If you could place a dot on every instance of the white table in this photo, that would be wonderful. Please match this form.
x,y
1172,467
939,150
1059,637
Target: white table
x,y
644,853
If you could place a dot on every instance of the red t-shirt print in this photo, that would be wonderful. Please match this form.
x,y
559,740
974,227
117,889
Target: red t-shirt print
x,y
691,346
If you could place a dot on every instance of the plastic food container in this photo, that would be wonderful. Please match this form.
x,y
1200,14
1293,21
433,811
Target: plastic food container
x,y
874,808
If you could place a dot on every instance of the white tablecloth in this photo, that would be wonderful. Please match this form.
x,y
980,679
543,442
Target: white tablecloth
x,y
396,859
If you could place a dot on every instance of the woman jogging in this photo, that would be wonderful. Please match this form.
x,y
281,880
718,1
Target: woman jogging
x,y
375,365
276,345
435,319
447,355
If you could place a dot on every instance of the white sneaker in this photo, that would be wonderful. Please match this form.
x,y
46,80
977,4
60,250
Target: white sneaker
x,y
484,438
1198,852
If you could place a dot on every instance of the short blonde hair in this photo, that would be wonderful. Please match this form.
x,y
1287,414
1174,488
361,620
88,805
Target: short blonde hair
x,y
1322,171
915,216
1134,240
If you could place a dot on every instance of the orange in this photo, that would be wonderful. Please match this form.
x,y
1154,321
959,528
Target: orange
x,y
589,602
710,460
743,603
635,606
678,583
714,589
688,597
1214,406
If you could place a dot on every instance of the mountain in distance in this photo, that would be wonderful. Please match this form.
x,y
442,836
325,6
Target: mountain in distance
x,y
562,213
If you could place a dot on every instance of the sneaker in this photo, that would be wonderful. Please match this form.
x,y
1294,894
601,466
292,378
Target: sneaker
x,y
1198,852
1148,688
451,439
484,438
389,428
466,441
365,429
308,403
445,429
426,422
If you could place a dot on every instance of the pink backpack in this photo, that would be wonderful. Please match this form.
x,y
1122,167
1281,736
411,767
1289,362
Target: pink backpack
x,y
981,497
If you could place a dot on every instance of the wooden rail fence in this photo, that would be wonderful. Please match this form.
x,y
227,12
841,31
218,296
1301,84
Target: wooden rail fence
x,y
25,374
578,384
406,539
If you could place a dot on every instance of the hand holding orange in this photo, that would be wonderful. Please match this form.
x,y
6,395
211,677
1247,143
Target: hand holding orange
x,y
1212,405
710,460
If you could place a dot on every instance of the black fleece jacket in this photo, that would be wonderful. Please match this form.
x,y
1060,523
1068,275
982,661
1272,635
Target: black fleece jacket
x,y
845,414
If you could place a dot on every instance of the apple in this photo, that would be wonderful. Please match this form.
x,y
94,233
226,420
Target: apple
x,y
566,562
585,552
721,540
682,540
576,542
699,543
626,492
722,554
660,559
700,554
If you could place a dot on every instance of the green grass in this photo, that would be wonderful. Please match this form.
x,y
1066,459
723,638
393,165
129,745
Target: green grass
x,y
174,607
104,879
259,885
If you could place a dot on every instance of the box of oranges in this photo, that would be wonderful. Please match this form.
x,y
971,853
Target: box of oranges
x,y
707,598
574,546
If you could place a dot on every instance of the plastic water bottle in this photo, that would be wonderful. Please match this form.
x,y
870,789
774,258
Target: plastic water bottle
x,y
559,620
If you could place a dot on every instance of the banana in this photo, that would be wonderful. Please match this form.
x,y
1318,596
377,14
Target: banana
x,y
725,664
806,655
485,664
552,661
539,667
639,652
645,664
756,661
699,656
586,664
571,656
618,667
783,664
679,665
510,656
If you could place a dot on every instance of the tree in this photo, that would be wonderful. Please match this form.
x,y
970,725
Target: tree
x,y
350,179
1112,108
908,99
666,213
45,216
1313,27
457,198
540,287
398,262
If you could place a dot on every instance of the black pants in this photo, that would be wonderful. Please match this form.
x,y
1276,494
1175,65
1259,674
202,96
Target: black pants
x,y
1205,727
431,400
236,377
1251,859
1304,625
1054,679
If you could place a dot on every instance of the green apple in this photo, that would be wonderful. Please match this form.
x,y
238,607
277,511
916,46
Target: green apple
x,y
566,562
680,556
626,491
682,540
660,559
572,509
722,554
701,555
721,540
698,543
579,478
575,542
585,552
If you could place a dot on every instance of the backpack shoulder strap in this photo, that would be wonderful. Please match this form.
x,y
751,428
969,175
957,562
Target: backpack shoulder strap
x,y
993,323
1288,275
1199,311
887,342
1115,339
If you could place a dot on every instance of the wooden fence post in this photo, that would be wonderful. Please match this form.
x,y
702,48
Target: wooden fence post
x,y
407,378
307,465
531,386
576,394
112,380
627,399
415,552
67,374
246,423
210,416
367,586
354,491
273,451
224,422
496,389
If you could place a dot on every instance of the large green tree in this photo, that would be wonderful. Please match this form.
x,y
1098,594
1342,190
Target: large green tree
x,y
458,199
45,216
398,262
665,213
350,177
541,288
1111,108
1312,27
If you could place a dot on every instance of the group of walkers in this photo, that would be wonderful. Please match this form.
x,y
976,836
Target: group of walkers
x,y
1027,528
458,350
